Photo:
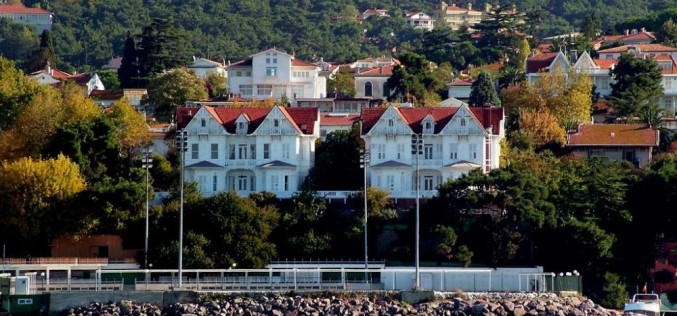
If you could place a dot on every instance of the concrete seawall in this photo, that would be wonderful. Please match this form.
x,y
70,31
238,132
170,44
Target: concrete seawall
x,y
64,300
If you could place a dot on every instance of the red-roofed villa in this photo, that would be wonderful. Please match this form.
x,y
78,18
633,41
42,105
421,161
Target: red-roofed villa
x,y
631,142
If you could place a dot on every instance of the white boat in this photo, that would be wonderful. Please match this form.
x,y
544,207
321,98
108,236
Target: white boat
x,y
643,305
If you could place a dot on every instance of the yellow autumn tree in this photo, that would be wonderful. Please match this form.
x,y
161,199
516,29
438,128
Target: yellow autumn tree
x,y
30,188
131,127
541,127
39,120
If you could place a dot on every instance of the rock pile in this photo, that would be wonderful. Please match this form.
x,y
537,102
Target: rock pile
x,y
279,305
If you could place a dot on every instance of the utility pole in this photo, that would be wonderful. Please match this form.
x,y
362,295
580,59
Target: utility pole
x,y
147,164
365,158
182,139
416,149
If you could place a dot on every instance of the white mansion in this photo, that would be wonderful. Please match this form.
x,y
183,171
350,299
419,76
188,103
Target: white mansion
x,y
272,149
275,74
249,149
455,141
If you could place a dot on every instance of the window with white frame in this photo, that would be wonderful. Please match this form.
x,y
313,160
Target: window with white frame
x,y
266,151
215,151
275,183
271,71
203,122
252,150
472,151
285,151
381,151
286,183
462,122
391,122
246,89
242,151
400,151
195,151
231,151
215,182
453,151
264,89
390,180
428,151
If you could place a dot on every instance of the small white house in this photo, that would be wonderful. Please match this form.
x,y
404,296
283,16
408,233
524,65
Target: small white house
x,y
202,67
420,20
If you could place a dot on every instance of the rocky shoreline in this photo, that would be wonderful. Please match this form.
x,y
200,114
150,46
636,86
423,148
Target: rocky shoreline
x,y
447,304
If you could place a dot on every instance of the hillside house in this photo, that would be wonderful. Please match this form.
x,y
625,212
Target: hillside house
x,y
41,19
373,83
631,142
420,20
201,67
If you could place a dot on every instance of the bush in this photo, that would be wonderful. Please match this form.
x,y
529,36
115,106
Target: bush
x,y
615,293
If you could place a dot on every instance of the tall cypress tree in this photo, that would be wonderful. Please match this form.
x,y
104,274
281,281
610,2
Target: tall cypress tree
x,y
159,49
128,72
637,87
43,55
483,92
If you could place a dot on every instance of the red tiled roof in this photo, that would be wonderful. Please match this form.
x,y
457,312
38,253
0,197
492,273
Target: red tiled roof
x,y
385,70
413,116
605,63
81,78
545,47
639,36
643,47
56,73
302,119
115,94
461,82
20,9
613,135
539,62
301,63
338,120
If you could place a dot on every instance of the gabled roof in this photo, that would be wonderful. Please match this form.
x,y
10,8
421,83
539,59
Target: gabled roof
x,y
605,63
301,63
56,73
461,82
391,164
302,119
242,63
81,78
414,116
204,164
645,48
613,135
20,9
276,164
385,70
539,62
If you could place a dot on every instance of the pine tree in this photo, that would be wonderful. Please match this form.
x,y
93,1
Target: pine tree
x,y
637,86
44,55
483,92
159,49
129,69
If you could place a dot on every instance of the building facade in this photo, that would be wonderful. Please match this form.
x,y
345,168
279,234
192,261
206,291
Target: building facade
x,y
455,141
202,67
420,20
373,83
456,17
41,19
249,149
275,74
630,142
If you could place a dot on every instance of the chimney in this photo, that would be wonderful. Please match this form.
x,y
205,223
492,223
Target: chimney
x,y
643,29
627,32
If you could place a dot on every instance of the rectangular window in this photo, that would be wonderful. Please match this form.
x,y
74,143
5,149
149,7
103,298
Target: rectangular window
x,y
267,60
266,151
242,152
391,182
215,151
428,151
238,74
400,151
286,183
246,89
285,151
264,89
242,183
249,73
195,151
231,152
252,150
453,151
473,151
252,183
271,71
428,183
231,183
274,60
215,181
381,151
274,183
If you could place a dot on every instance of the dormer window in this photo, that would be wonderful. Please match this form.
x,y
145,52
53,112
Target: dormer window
x,y
276,123
391,122
203,122
462,122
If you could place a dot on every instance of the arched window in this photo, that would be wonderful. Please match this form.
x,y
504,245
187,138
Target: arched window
x,y
386,90
368,89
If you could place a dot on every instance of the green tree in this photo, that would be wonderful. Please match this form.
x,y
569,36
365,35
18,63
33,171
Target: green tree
x,y
667,33
44,55
637,86
337,165
160,49
483,92
592,24
109,78
341,86
217,84
417,76
615,294
170,90
16,91
129,71
18,40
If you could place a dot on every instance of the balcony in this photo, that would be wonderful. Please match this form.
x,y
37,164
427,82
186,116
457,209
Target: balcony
x,y
431,163
241,163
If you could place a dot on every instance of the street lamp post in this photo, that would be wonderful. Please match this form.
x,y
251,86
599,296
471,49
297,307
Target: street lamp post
x,y
416,149
365,158
182,139
147,164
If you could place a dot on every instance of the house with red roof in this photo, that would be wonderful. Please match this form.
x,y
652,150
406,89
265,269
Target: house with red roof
x,y
249,149
455,141
456,17
50,76
630,142
641,50
19,13
332,122
460,88
630,37
372,83
420,20
374,12
273,73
